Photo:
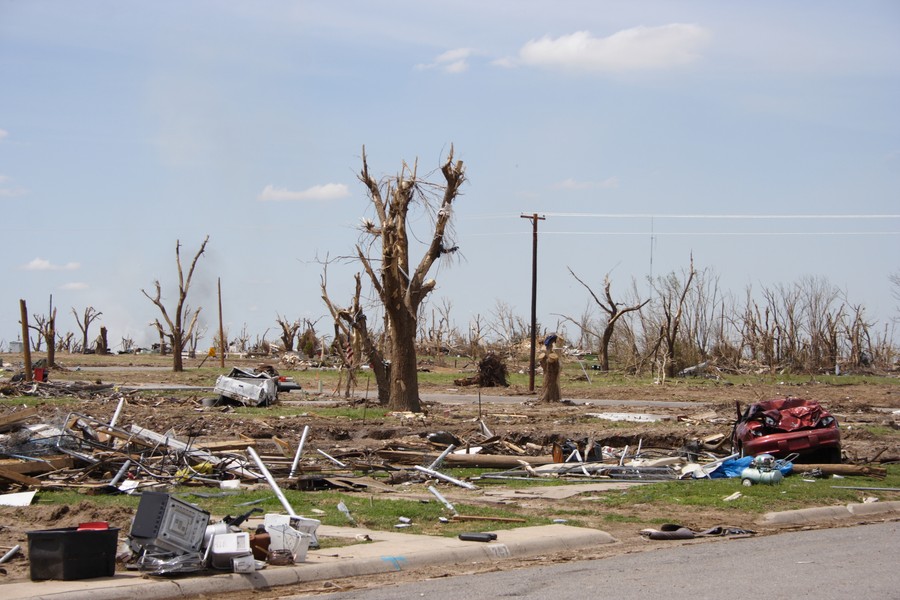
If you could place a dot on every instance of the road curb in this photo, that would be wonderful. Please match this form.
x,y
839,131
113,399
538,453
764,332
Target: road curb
x,y
805,516
399,553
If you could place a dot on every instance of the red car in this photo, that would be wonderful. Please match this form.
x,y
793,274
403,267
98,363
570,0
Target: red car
x,y
786,426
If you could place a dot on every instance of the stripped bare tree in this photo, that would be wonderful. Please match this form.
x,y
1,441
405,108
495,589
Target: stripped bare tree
x,y
614,311
671,296
194,340
510,329
161,332
352,338
84,323
45,326
176,330
475,339
64,342
289,331
400,284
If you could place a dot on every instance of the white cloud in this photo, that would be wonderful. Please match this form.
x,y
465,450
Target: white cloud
x,y
41,264
451,61
3,133
639,48
329,191
10,192
571,184
74,286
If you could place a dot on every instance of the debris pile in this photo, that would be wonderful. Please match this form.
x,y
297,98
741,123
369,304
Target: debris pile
x,y
491,373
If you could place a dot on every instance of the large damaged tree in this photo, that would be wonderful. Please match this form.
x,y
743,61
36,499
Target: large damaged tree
x,y
91,314
351,323
175,328
45,326
614,311
384,254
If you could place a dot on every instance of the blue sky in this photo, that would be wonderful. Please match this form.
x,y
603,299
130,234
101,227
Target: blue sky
x,y
125,126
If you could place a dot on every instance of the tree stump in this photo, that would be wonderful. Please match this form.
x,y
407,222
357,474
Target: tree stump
x,y
551,365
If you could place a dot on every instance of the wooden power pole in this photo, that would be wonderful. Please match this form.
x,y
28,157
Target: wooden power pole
x,y
221,330
534,222
26,344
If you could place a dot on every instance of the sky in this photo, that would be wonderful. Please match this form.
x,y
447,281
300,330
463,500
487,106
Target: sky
x,y
760,139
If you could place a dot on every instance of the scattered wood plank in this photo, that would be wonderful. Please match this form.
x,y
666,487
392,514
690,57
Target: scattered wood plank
x,y
837,469
224,445
19,478
8,421
34,467
284,446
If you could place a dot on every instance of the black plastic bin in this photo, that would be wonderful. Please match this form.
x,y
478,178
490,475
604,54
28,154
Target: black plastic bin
x,y
70,553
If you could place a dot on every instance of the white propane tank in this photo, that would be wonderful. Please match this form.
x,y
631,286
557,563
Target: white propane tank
x,y
761,470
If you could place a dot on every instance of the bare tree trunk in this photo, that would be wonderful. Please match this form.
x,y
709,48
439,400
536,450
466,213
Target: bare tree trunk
x,y
102,342
404,368
672,303
551,366
84,322
288,332
401,286
51,338
178,332
614,311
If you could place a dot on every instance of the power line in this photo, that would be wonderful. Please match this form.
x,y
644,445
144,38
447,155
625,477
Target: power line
x,y
717,216
721,233
691,216
693,233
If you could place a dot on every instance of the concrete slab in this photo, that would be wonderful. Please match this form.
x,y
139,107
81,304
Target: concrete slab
x,y
789,518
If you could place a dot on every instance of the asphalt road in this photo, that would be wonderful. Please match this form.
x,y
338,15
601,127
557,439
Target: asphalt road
x,y
828,564
486,399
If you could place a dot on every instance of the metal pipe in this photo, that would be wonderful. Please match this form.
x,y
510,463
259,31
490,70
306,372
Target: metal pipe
x,y
441,499
13,551
624,454
332,459
271,481
437,462
446,478
299,452
115,480
115,417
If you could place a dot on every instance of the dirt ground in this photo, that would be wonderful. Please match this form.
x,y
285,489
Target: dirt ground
x,y
866,413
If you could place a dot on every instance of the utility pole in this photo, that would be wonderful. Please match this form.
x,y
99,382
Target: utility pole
x,y
26,342
221,330
534,222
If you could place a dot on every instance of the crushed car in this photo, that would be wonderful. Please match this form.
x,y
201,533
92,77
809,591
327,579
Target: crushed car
x,y
251,387
786,426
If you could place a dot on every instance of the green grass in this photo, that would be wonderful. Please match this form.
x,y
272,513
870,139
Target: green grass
x,y
376,512
792,493
640,504
879,430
